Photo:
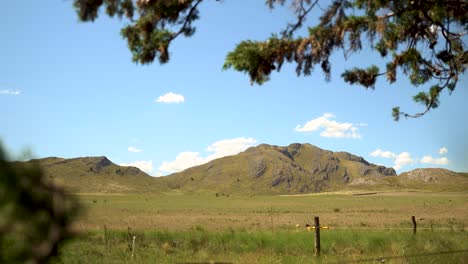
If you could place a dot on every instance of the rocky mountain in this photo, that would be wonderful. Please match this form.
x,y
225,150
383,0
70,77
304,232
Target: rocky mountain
x,y
96,175
297,168
435,179
265,169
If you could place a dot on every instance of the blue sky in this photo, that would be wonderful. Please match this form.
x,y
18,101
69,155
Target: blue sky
x,y
69,89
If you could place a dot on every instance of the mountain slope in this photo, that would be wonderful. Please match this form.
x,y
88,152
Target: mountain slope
x,y
267,169
434,179
96,175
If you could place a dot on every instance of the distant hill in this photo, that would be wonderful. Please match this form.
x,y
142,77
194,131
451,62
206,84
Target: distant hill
x,y
265,169
96,175
435,179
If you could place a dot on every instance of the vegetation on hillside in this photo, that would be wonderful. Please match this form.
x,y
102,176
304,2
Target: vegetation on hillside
x,y
96,175
302,168
265,169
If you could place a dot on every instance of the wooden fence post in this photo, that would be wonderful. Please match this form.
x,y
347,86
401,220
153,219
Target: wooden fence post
x,y
133,246
413,219
105,235
317,236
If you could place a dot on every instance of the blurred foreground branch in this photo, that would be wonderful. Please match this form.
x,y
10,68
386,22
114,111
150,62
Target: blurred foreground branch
x,y
35,216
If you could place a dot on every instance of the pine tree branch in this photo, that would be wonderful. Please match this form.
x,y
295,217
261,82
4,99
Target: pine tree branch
x,y
187,21
429,106
302,15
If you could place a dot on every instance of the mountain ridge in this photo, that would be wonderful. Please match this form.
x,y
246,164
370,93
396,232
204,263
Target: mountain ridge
x,y
94,175
263,169
296,168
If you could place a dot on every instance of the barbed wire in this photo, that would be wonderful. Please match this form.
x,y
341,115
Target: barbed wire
x,y
383,259
395,228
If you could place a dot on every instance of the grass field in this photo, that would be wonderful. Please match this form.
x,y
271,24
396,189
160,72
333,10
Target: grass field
x,y
201,246
257,213
262,229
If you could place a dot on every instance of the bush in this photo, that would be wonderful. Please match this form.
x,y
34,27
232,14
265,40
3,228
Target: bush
x,y
35,216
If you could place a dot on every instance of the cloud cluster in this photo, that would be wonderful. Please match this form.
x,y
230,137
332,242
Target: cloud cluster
x,y
330,128
435,161
133,149
10,92
404,158
218,149
144,165
383,154
170,98
399,160
183,161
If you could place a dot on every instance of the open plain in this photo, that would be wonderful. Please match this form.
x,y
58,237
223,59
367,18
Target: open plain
x,y
362,227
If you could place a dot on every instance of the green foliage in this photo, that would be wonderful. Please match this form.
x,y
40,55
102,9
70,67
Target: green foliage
x,y
258,59
396,113
424,38
153,24
35,216
430,99
365,77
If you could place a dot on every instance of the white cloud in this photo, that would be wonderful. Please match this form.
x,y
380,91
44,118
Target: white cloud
x,y
399,160
218,149
331,128
435,161
443,150
383,154
183,161
229,147
144,165
133,149
10,92
402,160
170,98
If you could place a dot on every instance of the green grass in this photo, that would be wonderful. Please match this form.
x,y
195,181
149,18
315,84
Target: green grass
x,y
199,245
147,212
262,229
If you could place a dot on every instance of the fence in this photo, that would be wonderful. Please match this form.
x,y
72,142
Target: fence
x,y
316,227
